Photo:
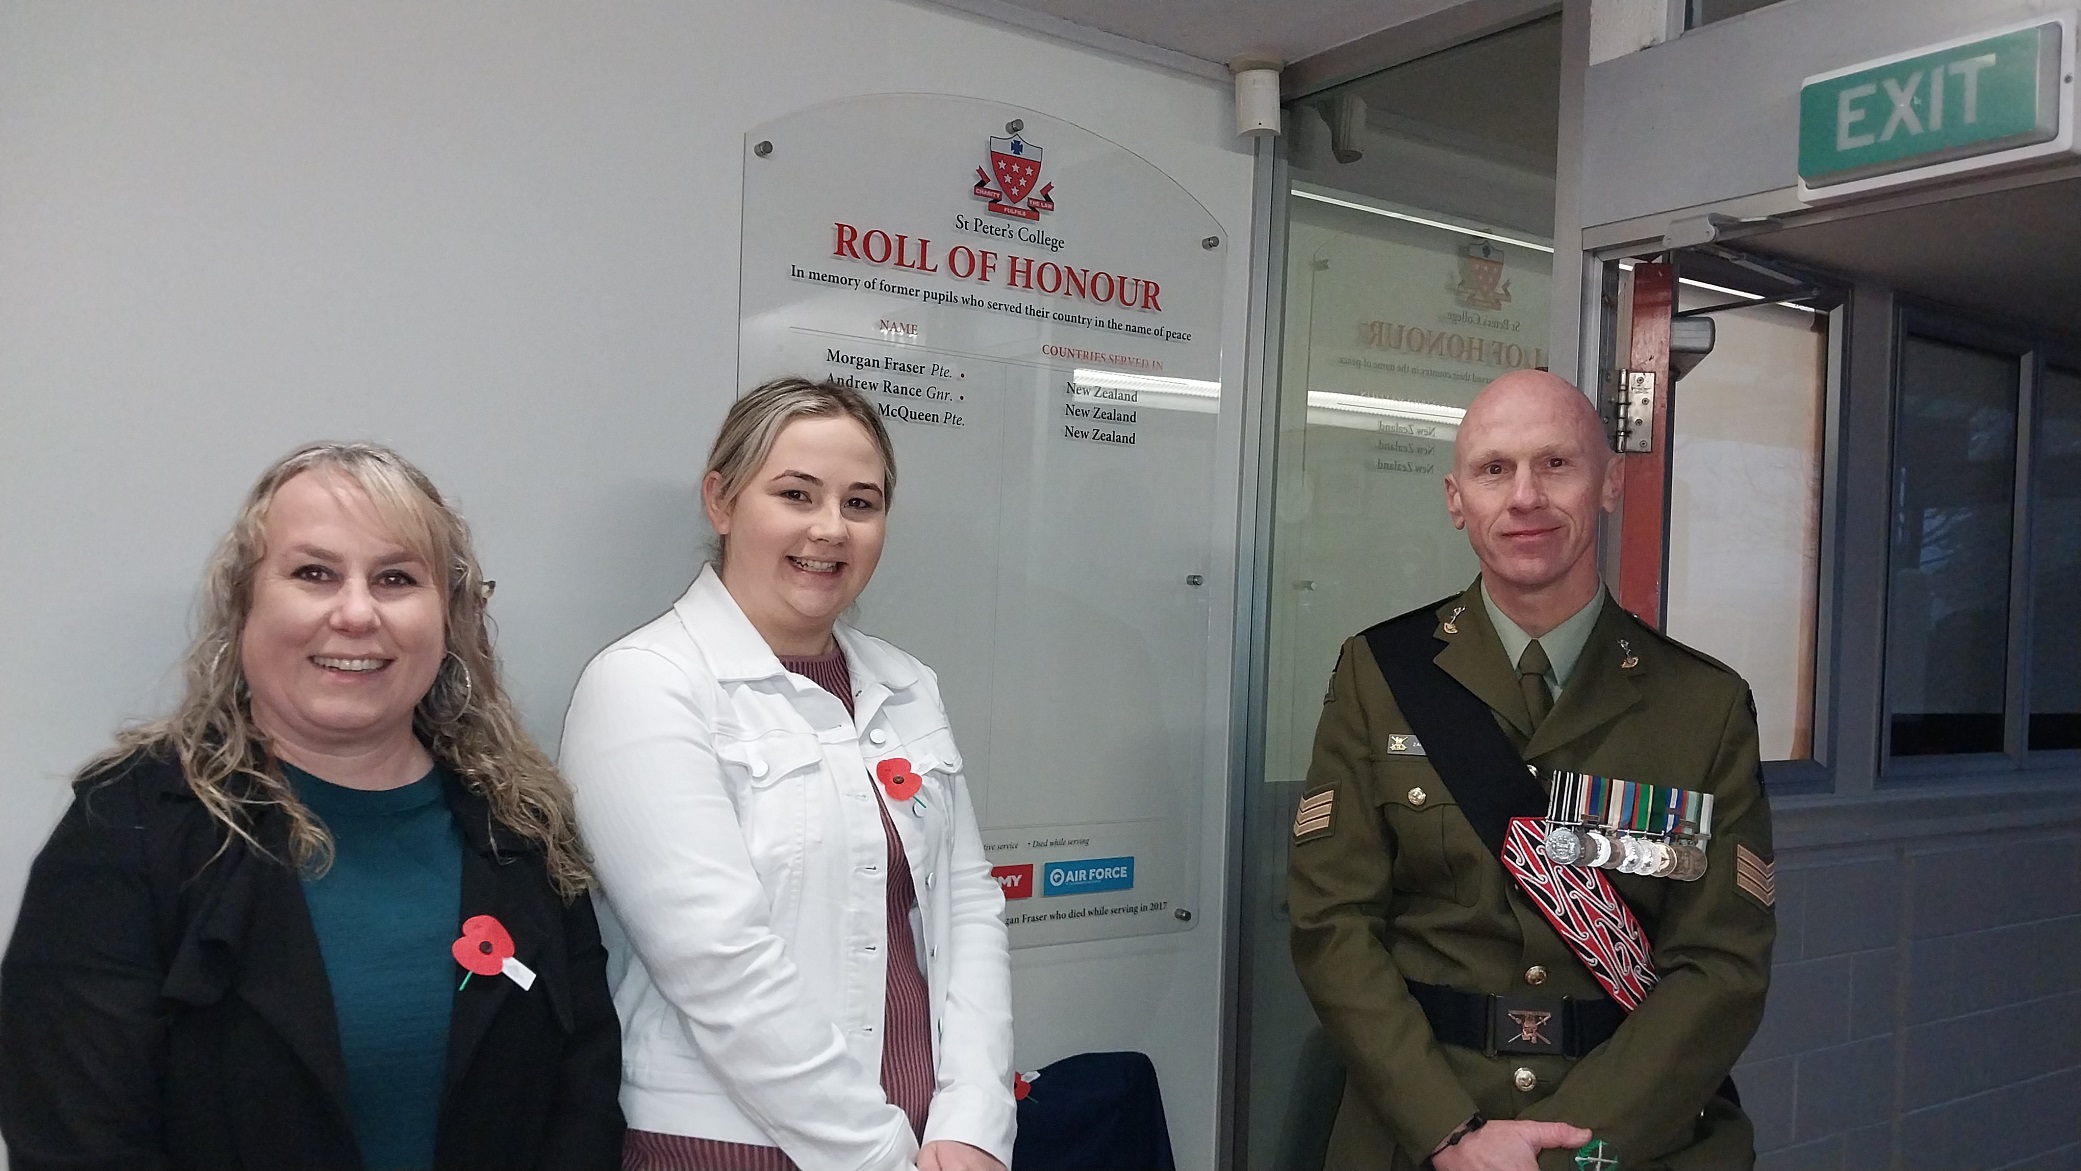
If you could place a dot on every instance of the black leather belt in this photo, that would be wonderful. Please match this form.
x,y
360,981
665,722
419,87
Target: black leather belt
x,y
1533,1025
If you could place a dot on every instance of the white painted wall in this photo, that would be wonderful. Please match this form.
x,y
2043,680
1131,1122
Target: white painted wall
x,y
502,237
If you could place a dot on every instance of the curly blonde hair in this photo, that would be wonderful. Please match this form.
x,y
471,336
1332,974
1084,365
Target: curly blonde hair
x,y
465,719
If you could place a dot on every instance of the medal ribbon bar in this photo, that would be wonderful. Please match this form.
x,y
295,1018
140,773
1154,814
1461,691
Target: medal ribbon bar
x,y
1607,823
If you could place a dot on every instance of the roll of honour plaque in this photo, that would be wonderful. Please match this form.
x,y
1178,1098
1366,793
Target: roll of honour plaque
x,y
1035,313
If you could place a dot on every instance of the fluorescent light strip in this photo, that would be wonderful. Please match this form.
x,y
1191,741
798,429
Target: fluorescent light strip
x,y
1366,404
1626,265
1684,280
1148,383
1441,225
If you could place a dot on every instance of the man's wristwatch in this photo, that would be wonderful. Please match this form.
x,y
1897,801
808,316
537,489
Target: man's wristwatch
x,y
1474,1122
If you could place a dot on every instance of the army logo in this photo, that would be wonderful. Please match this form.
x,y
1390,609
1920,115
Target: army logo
x,y
1016,164
1481,284
1529,1026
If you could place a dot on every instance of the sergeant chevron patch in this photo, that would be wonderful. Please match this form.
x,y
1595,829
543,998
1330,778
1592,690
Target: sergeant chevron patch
x,y
1312,819
1754,877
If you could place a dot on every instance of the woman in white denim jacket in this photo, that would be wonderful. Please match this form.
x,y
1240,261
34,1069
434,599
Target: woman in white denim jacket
x,y
765,842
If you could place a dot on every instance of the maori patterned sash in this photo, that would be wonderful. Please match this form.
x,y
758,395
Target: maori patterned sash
x,y
1585,911
1500,798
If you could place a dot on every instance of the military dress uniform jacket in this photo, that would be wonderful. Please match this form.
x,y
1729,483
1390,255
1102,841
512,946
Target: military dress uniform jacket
x,y
1398,887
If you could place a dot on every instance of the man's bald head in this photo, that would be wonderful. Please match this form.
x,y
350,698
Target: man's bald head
x,y
1530,475
1523,395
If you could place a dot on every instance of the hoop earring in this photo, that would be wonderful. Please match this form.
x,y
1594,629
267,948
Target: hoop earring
x,y
469,690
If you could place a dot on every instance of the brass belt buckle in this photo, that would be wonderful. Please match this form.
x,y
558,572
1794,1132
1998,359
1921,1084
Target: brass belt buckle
x,y
1525,1025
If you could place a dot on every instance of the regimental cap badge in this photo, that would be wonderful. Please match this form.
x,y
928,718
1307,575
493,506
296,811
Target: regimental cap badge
x,y
1015,167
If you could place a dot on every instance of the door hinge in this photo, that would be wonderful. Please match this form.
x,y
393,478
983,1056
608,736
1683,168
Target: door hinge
x,y
1631,412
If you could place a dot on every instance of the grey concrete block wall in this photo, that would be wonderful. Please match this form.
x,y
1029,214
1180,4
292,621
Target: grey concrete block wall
x,y
1925,1008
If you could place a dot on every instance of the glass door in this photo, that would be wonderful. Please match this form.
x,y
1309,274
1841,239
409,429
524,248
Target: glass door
x,y
1419,255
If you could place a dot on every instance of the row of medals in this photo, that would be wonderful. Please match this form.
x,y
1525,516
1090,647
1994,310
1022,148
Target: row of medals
x,y
1583,831
1680,858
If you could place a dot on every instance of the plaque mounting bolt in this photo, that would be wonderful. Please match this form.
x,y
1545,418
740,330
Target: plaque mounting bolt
x,y
1211,242
1194,579
762,148
1015,125
1184,916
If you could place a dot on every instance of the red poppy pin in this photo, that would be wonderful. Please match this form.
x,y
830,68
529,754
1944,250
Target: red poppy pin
x,y
901,782
486,949
1022,1085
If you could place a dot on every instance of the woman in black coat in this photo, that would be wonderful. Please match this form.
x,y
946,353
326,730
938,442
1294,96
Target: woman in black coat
x,y
331,912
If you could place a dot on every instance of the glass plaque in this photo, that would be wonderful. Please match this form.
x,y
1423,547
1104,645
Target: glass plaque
x,y
1036,312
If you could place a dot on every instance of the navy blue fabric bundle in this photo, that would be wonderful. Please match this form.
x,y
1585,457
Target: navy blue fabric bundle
x,y
1092,1111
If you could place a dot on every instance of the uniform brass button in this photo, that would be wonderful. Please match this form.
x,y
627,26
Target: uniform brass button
x,y
1524,1079
1416,797
1535,975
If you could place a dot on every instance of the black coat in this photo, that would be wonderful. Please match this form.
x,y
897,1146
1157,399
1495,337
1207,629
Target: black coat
x,y
163,1011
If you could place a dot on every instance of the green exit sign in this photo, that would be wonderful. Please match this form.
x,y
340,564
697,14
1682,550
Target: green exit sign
x,y
1987,101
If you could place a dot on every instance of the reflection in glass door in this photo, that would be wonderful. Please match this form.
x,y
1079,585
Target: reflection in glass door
x,y
1419,255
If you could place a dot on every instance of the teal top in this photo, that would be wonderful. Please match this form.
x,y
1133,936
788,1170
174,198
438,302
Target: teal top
x,y
386,913
1563,644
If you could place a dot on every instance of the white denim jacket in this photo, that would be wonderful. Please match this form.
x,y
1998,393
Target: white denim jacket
x,y
728,807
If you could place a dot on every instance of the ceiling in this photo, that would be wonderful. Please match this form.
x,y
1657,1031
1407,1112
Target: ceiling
x,y
1222,30
2009,254
1499,96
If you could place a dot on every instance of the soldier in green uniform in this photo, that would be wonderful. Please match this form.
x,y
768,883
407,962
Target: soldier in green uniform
x,y
1430,967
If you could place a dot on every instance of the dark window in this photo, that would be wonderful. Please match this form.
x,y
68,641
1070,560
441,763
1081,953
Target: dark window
x,y
1954,487
2055,552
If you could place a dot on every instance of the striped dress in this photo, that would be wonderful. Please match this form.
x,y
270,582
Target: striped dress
x,y
907,1074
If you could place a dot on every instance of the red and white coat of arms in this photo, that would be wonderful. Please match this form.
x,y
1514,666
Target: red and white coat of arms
x,y
1016,165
